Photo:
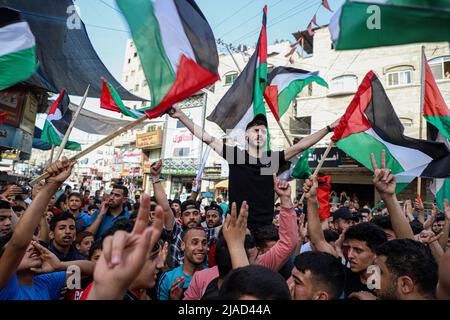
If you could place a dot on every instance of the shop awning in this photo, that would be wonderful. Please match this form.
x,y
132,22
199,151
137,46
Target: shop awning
x,y
222,185
66,56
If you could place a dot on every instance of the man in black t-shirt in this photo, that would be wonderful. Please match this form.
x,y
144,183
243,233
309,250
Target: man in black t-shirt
x,y
251,166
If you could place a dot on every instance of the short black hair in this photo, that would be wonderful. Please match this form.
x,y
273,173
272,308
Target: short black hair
x,y
123,224
4,240
330,235
65,215
176,201
416,226
186,231
5,204
406,257
68,187
222,257
121,187
97,245
92,207
75,194
254,280
372,234
384,222
326,270
265,233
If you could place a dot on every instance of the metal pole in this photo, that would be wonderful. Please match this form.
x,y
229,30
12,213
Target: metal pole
x,y
232,57
69,130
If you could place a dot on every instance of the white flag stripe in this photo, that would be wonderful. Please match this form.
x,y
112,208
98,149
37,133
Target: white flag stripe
x,y
15,37
284,79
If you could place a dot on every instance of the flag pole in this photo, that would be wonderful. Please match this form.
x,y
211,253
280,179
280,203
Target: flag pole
x,y
72,123
319,166
285,133
51,154
422,97
94,146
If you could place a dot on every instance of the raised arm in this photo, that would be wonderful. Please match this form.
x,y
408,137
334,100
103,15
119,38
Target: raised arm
x,y
234,233
315,231
59,171
277,256
444,238
385,184
161,196
309,141
196,130
97,219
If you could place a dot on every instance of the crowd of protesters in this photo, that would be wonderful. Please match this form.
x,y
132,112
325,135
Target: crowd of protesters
x,y
264,244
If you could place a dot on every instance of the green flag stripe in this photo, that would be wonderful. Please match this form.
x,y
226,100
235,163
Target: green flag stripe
x,y
442,123
115,95
359,146
50,135
289,93
258,90
443,193
302,169
17,66
146,34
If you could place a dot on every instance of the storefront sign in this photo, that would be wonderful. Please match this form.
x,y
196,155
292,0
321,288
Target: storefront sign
x,y
15,138
29,114
335,159
149,140
11,101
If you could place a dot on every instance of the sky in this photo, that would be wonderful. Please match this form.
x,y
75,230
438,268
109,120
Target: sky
x,y
234,21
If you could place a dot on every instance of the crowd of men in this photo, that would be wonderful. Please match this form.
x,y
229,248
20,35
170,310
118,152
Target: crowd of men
x,y
263,244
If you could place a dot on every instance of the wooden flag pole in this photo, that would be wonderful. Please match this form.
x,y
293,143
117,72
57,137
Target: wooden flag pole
x,y
51,154
285,133
319,166
94,146
72,123
422,97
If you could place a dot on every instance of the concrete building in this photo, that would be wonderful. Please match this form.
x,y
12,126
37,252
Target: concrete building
x,y
399,70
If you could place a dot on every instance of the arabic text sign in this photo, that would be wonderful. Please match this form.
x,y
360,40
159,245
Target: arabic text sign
x,y
335,159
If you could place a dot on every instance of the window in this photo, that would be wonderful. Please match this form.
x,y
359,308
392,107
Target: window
x,y
440,67
135,54
180,124
144,83
181,152
301,125
136,88
230,78
398,78
342,85
211,88
129,60
407,122
132,73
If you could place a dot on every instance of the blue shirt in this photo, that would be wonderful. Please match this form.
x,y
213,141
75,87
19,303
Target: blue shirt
x,y
167,279
82,221
45,287
108,221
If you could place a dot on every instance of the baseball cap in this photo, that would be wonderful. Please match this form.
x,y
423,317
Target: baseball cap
x,y
189,204
214,207
259,117
342,213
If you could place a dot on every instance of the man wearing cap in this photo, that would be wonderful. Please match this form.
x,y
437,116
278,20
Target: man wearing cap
x,y
342,219
251,169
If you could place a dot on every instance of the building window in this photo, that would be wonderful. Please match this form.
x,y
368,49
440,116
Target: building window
x,y
300,125
132,73
440,67
136,88
144,83
342,85
129,60
135,54
181,152
180,124
399,78
230,78
407,122
211,88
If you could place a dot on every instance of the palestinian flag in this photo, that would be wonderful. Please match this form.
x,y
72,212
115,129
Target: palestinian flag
x,y
367,24
371,125
302,169
244,100
57,122
284,84
110,100
17,49
435,109
176,47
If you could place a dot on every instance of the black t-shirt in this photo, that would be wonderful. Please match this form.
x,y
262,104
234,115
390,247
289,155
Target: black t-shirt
x,y
353,283
251,179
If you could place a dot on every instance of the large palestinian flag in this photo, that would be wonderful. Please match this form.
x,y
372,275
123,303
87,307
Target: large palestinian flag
x,y
58,121
284,84
370,125
374,23
176,47
17,49
110,100
244,100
